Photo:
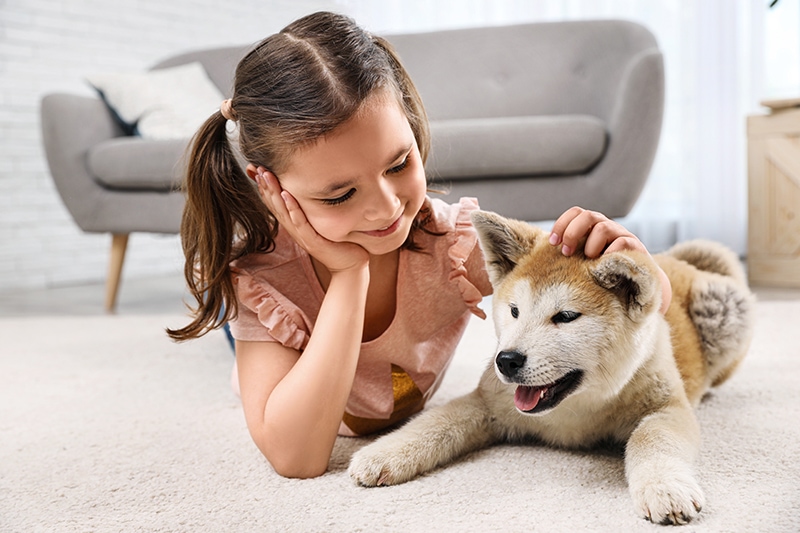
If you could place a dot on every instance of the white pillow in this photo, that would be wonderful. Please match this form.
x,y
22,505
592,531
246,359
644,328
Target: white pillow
x,y
169,103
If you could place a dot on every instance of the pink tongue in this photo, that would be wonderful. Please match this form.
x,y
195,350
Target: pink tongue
x,y
526,398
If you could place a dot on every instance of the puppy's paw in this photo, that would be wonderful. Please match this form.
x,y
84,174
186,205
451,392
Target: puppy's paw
x,y
672,500
381,463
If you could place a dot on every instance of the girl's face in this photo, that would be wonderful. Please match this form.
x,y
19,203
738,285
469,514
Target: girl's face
x,y
364,182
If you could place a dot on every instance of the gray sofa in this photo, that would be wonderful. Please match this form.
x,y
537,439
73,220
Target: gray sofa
x,y
531,119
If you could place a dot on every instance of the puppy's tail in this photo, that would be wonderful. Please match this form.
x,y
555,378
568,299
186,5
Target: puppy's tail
x,y
721,305
710,256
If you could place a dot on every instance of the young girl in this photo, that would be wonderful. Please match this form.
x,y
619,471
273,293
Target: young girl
x,y
347,288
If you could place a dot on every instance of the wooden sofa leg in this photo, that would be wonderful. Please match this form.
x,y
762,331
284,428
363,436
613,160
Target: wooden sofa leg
x,y
119,243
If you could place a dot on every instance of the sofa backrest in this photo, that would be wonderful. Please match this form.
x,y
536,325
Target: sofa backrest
x,y
553,68
572,67
220,64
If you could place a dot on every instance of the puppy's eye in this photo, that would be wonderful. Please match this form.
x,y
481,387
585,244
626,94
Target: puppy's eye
x,y
563,317
514,311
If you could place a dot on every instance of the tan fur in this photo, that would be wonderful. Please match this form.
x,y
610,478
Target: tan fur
x,y
685,342
585,338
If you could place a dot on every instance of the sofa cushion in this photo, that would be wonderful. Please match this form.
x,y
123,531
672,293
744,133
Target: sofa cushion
x,y
133,163
169,103
515,146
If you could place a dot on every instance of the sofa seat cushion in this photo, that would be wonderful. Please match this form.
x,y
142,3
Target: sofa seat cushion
x,y
515,146
133,163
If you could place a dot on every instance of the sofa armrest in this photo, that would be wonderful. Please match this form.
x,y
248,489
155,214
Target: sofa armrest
x,y
640,94
634,132
71,125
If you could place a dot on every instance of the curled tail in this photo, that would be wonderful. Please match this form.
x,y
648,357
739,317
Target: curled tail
x,y
721,305
710,256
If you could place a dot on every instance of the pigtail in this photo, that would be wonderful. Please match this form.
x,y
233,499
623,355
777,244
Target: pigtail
x,y
224,218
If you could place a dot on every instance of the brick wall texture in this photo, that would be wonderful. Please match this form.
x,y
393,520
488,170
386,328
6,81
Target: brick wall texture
x,y
50,46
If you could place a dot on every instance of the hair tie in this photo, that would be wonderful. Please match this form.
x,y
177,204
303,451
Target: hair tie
x,y
226,109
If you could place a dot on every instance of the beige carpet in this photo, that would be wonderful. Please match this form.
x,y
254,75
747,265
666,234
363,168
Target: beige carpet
x,y
105,425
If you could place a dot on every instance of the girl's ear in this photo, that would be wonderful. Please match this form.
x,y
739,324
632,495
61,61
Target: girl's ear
x,y
252,171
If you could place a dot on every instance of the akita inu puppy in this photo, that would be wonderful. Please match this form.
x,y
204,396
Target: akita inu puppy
x,y
585,356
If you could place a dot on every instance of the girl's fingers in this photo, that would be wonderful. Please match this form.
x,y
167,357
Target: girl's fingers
x,y
286,209
601,233
296,215
627,243
561,224
271,193
608,235
574,225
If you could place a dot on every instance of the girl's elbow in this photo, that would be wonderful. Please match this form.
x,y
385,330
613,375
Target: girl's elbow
x,y
293,463
298,469
293,456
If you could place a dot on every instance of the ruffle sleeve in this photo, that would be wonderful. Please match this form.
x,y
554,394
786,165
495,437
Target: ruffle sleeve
x,y
468,268
266,315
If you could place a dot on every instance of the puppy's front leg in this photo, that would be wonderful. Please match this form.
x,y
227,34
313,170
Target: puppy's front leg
x,y
658,464
433,438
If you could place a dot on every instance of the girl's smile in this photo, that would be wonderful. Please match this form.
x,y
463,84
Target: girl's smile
x,y
388,230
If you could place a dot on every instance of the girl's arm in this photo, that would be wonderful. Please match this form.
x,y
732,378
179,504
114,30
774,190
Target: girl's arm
x,y
294,404
602,235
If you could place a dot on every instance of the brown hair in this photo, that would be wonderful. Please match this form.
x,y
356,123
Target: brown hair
x,y
291,89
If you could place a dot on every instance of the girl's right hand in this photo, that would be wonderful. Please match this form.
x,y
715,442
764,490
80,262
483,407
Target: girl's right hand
x,y
336,256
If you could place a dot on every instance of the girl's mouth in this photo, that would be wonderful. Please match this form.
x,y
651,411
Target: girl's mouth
x,y
387,230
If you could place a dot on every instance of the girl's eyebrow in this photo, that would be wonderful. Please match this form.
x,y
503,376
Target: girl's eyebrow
x,y
345,184
333,187
401,152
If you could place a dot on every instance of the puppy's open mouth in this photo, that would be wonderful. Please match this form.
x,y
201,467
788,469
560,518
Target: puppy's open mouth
x,y
538,399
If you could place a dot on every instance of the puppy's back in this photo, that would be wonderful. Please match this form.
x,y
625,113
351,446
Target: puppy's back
x,y
710,256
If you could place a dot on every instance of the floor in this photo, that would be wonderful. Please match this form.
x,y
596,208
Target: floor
x,y
157,295
163,295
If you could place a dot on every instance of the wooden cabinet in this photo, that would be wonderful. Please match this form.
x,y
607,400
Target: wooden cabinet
x,y
773,256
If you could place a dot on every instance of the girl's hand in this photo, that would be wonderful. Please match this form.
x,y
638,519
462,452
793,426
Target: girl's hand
x,y
602,235
336,256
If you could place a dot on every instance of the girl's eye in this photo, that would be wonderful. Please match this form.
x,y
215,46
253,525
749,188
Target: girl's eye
x,y
398,168
341,199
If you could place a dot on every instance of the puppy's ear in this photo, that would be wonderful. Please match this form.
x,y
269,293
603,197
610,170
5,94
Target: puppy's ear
x,y
503,241
632,277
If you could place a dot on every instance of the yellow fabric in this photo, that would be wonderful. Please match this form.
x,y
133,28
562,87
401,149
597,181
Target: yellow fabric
x,y
407,401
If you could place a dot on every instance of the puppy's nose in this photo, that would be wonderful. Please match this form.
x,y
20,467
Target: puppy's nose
x,y
510,362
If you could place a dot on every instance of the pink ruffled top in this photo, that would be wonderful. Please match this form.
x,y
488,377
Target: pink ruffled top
x,y
438,288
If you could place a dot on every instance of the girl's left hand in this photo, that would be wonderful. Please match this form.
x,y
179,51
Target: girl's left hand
x,y
602,234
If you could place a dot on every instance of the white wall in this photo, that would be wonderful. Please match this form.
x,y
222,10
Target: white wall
x,y
50,45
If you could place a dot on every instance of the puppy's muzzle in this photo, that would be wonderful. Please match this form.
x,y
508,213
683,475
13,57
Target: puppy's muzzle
x,y
509,362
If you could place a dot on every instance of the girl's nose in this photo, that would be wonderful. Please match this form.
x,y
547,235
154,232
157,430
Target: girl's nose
x,y
383,204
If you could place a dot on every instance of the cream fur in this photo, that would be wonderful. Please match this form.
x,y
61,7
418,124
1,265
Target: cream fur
x,y
642,372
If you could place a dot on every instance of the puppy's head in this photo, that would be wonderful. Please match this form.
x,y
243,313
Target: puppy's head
x,y
564,324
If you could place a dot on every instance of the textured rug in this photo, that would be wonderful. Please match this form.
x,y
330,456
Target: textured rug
x,y
106,425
